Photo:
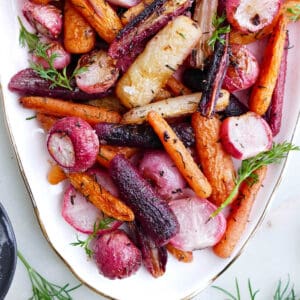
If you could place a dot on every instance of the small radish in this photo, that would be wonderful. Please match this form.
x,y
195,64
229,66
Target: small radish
x,y
116,255
81,214
73,144
124,3
62,57
251,15
246,135
197,230
46,19
242,71
157,166
99,72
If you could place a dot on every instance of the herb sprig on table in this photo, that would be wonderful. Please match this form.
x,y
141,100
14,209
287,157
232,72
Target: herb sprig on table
x,y
248,166
43,289
39,48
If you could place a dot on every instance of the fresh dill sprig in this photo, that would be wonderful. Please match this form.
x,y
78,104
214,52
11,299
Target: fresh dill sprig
x,y
248,166
85,244
221,28
281,293
295,12
39,49
43,289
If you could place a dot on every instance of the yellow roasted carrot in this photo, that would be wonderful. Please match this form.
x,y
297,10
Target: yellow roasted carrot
x,y
180,155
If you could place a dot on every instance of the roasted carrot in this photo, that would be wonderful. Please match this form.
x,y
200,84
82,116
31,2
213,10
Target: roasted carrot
x,y
46,121
56,174
100,16
180,155
100,197
133,11
240,211
177,87
79,36
107,153
183,256
217,165
63,108
262,91
41,1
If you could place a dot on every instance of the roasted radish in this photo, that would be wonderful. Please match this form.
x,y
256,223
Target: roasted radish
x,y
124,3
197,229
99,72
242,70
46,19
246,135
73,144
251,15
82,214
55,52
157,166
152,212
116,255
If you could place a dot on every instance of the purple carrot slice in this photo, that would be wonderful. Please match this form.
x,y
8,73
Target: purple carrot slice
x,y
145,25
274,114
234,108
141,136
153,213
216,72
154,258
28,83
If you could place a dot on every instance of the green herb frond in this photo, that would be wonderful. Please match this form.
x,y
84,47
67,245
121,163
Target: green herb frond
x,y
295,13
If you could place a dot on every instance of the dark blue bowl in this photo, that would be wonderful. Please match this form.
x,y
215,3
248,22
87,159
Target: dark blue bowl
x,y
8,252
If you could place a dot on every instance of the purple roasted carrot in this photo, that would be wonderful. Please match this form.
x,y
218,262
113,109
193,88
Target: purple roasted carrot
x,y
153,213
28,83
274,114
145,25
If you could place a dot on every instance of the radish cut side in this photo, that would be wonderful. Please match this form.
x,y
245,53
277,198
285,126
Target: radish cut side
x,y
246,135
197,230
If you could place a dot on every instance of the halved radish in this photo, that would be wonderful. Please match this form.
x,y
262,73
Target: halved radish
x,y
242,71
81,214
124,3
251,15
73,144
246,135
99,72
197,230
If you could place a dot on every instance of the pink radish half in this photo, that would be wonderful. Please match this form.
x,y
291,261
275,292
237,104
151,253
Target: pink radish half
x,y
246,135
81,214
73,144
197,230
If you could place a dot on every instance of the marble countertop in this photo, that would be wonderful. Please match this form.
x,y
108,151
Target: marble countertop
x,y
272,254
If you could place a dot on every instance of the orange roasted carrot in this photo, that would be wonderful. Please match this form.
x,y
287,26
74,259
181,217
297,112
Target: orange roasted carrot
x,y
100,197
79,36
56,174
180,155
100,16
183,256
63,108
46,121
262,91
177,87
107,153
240,211
41,1
217,165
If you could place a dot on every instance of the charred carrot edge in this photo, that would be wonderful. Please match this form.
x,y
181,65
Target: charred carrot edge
x,y
180,155
216,164
238,217
100,197
133,11
100,16
41,1
262,91
79,36
62,108
46,121
56,174
237,37
180,255
177,87
107,153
